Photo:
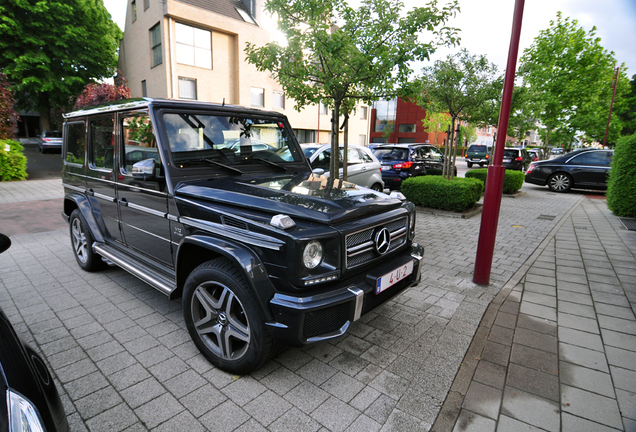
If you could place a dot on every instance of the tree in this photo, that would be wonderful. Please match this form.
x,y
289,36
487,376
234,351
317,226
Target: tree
x,y
96,94
52,49
626,109
436,122
571,74
8,116
339,55
461,85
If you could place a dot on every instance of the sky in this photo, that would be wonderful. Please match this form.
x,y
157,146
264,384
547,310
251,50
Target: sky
x,y
486,25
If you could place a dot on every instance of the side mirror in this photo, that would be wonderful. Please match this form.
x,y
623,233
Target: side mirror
x,y
318,171
144,169
5,243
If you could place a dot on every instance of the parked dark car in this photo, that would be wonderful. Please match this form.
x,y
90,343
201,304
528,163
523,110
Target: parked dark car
x,y
260,249
31,400
401,161
516,159
581,169
478,154
50,140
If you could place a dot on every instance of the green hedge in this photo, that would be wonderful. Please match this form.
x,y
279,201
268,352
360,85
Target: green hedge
x,y
621,186
513,180
457,195
12,162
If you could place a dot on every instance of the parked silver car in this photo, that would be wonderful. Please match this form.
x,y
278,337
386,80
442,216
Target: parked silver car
x,y
50,140
363,168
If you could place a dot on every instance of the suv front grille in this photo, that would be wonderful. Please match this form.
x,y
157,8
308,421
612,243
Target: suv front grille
x,y
360,245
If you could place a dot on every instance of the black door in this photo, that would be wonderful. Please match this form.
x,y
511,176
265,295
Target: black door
x,y
142,197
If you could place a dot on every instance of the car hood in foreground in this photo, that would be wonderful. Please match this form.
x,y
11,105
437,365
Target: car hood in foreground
x,y
308,196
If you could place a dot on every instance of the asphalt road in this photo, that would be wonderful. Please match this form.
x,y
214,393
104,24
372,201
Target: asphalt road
x,y
42,166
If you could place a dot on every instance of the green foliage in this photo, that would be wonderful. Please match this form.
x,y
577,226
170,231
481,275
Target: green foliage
x,y
621,186
12,162
461,86
338,54
436,122
570,75
626,109
52,49
8,115
513,180
436,192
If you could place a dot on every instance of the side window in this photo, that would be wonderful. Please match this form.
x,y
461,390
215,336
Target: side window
x,y
323,160
75,143
139,141
365,157
101,142
353,157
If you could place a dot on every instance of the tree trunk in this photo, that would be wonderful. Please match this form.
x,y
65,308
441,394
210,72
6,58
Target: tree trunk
x,y
45,112
450,140
334,165
345,153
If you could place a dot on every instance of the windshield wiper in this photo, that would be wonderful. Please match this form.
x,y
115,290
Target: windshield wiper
x,y
213,162
271,163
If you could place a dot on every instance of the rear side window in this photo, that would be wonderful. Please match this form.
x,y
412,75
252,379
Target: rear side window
x,y
391,154
511,153
75,143
102,144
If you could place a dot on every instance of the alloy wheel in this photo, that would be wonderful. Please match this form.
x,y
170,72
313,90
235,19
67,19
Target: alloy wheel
x,y
220,320
80,244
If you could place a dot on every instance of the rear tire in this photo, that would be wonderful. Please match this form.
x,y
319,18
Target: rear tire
x,y
377,187
82,241
469,165
560,182
223,318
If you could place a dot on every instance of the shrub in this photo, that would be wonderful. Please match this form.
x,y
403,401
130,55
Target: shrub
x,y
621,186
457,195
513,180
12,162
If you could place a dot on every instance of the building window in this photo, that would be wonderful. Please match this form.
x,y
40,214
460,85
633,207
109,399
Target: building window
x,y
305,136
258,97
278,101
194,46
144,89
406,128
133,5
362,140
323,109
146,4
155,45
363,113
187,88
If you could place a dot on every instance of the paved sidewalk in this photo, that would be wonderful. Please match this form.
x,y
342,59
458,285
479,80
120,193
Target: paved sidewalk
x,y
123,359
557,351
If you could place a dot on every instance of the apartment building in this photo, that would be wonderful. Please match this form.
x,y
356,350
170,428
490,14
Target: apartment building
x,y
194,49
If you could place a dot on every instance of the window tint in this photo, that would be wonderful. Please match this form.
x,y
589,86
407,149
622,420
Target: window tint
x,y
511,153
52,134
391,154
592,158
75,143
101,139
138,140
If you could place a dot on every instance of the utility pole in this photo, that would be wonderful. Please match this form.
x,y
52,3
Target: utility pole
x,y
609,117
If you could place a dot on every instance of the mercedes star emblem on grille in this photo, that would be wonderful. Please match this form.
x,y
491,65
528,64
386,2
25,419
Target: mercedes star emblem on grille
x,y
382,241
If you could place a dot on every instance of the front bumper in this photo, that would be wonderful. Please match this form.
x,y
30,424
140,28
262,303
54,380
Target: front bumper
x,y
301,321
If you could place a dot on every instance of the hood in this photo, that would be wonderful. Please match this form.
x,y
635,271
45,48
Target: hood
x,y
307,196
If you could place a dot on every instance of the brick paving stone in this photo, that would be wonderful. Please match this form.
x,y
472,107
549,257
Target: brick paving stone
x,y
531,409
591,406
583,357
483,400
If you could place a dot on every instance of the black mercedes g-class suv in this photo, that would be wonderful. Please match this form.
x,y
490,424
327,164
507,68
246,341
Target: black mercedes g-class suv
x,y
260,249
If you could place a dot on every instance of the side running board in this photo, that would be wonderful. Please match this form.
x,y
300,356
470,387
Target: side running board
x,y
160,282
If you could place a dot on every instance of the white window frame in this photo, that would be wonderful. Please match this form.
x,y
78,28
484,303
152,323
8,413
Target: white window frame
x,y
194,46
182,88
278,100
257,97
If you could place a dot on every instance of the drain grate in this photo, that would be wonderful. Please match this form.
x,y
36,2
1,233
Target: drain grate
x,y
546,217
629,224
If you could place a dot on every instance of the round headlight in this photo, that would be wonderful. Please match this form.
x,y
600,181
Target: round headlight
x,y
312,255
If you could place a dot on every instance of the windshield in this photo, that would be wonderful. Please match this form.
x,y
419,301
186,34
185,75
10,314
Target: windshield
x,y
230,140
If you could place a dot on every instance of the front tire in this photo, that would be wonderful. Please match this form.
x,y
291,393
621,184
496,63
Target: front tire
x,y
560,182
82,241
223,318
